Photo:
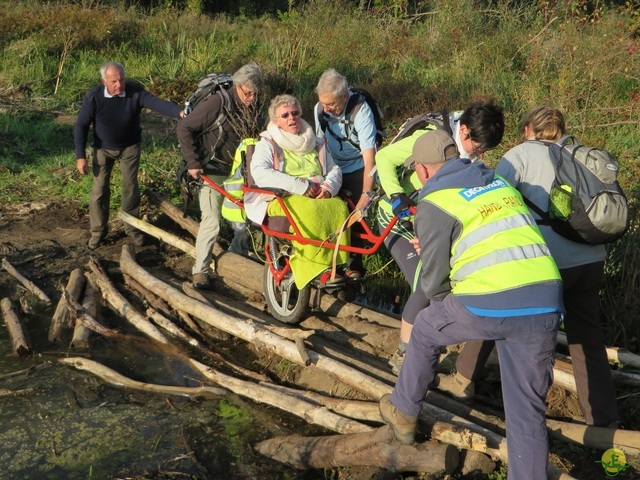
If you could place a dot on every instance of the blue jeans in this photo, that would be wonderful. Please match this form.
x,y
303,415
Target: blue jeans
x,y
525,347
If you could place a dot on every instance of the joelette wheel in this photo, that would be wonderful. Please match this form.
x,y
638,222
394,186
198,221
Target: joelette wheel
x,y
285,301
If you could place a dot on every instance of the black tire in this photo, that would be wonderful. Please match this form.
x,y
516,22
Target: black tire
x,y
286,303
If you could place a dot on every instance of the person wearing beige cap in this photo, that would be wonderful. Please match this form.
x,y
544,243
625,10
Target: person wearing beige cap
x,y
488,275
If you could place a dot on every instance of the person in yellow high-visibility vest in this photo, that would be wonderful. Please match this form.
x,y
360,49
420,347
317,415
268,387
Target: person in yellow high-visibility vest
x,y
488,275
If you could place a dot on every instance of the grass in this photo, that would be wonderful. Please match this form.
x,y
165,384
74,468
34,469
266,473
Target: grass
x,y
581,57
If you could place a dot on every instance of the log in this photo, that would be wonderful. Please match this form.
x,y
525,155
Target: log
x,y
355,409
311,336
496,445
19,338
117,380
379,449
318,415
159,304
585,435
60,320
155,302
251,332
156,232
173,212
29,285
82,317
596,437
81,333
619,355
121,305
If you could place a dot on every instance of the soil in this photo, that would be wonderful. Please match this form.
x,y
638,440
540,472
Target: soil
x,y
54,430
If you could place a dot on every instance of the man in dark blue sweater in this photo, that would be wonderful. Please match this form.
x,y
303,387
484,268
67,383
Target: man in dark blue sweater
x,y
114,107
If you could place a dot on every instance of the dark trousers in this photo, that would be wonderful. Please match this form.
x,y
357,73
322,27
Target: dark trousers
x,y
594,383
103,162
525,344
353,183
408,261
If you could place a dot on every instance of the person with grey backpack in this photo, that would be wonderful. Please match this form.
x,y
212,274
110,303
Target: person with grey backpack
x,y
209,136
531,168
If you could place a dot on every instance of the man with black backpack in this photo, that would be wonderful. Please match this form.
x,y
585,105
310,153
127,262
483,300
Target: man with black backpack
x,y
344,117
347,122
209,136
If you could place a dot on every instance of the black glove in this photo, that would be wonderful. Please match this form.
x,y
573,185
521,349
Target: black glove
x,y
400,203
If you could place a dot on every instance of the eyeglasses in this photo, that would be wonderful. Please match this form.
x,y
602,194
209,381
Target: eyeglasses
x,y
476,148
248,94
293,113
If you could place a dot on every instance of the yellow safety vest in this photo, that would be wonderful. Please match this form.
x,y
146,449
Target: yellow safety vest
x,y
500,247
233,185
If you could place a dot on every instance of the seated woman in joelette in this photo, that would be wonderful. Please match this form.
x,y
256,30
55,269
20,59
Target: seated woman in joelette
x,y
289,157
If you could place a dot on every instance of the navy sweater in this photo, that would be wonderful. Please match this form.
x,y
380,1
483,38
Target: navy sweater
x,y
116,120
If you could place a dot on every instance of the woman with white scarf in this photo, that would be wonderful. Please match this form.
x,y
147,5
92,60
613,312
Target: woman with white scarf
x,y
289,157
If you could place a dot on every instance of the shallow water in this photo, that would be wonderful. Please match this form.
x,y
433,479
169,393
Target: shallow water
x,y
69,425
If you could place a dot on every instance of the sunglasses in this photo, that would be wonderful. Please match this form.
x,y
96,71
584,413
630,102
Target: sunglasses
x,y
293,113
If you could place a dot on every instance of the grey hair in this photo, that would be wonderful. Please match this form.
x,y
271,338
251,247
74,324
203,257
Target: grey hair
x,y
280,101
250,75
332,82
107,65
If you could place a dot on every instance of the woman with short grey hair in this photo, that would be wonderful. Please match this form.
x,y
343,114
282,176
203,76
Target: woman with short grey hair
x,y
284,100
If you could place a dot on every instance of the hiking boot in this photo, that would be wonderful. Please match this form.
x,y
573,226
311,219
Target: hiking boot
x,y
455,385
95,241
202,281
396,362
137,238
404,426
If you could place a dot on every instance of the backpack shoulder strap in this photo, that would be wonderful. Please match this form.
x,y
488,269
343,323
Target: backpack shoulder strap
x,y
446,122
354,104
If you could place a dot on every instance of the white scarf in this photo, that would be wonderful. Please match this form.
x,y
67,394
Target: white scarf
x,y
300,143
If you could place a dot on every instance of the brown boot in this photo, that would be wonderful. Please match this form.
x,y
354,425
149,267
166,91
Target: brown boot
x,y
404,426
202,281
454,384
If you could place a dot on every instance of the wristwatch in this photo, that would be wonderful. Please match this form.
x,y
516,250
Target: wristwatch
x,y
368,193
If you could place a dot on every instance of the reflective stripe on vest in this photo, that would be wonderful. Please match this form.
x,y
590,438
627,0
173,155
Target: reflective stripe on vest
x,y
499,247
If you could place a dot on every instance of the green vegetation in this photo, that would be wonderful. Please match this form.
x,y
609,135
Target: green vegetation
x,y
580,56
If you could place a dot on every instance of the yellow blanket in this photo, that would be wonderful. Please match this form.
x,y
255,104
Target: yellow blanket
x,y
319,220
